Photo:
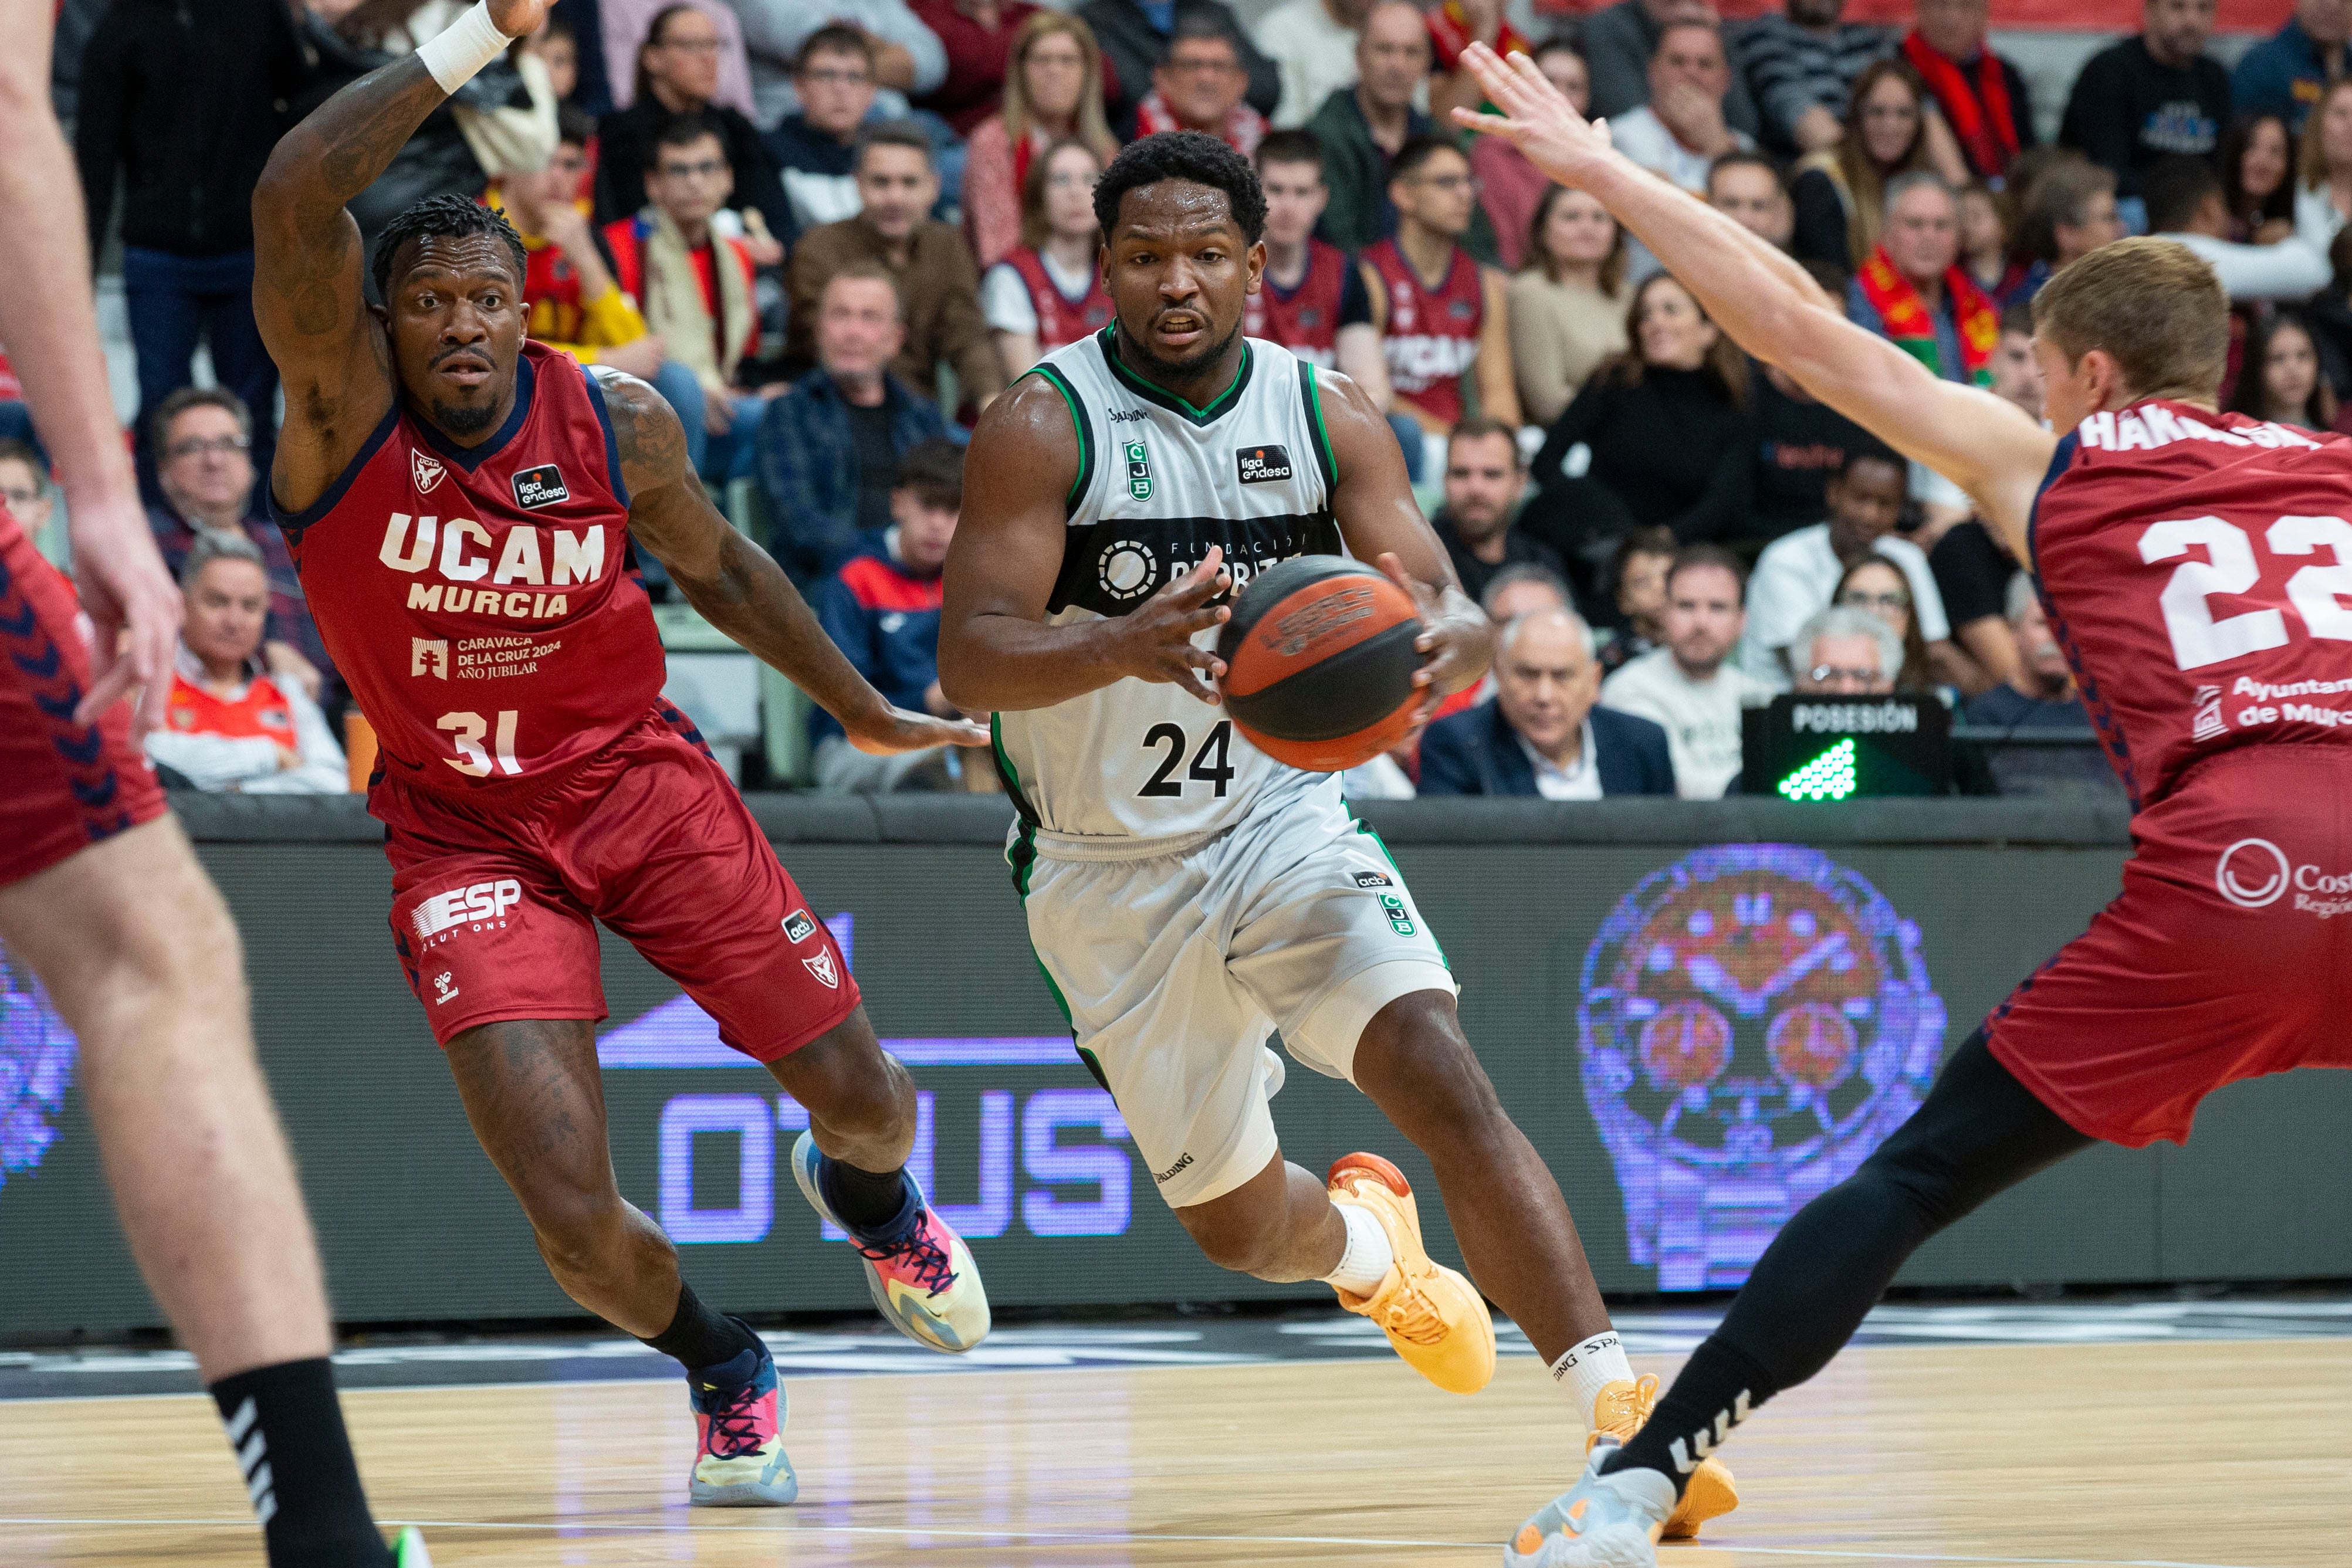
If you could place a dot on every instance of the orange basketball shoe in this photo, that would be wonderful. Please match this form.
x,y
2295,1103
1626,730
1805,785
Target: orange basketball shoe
x,y
1434,1317
1618,1412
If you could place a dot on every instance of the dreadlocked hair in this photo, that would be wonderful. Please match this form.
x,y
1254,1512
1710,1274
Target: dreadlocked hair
x,y
443,217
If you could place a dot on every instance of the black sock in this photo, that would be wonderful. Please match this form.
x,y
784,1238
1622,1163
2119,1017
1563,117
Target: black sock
x,y
287,1430
1713,1392
698,1338
866,1202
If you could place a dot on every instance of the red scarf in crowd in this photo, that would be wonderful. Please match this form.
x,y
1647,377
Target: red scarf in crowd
x,y
1450,33
1913,327
1243,129
1978,110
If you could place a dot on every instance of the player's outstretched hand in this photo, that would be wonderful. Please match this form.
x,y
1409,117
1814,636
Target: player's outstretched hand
x,y
518,18
134,611
889,730
1455,646
1536,117
1154,640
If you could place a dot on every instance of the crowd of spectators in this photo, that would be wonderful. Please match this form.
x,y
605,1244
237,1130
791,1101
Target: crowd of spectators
x,y
829,231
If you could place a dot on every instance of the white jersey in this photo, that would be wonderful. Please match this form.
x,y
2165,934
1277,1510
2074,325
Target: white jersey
x,y
1159,483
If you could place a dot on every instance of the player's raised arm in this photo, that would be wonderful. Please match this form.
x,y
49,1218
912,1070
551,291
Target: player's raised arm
x,y
736,587
996,653
1988,446
306,294
1382,523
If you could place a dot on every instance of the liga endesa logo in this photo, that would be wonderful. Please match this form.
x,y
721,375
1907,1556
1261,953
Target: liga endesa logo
x,y
2254,874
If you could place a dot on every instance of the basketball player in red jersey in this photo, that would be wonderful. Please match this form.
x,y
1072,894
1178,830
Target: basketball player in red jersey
x,y
2194,566
1442,316
463,507
101,897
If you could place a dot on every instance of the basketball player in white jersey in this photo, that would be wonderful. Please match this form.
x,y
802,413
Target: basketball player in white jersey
x,y
1187,894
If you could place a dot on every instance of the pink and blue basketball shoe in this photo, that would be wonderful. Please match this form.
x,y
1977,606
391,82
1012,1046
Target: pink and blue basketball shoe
x,y
920,1273
739,1419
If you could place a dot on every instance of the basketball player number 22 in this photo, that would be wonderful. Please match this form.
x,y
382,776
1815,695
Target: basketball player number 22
x,y
466,729
1163,781
2317,593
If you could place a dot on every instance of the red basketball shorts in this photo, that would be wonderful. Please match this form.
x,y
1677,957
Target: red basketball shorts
x,y
495,900
2228,955
63,786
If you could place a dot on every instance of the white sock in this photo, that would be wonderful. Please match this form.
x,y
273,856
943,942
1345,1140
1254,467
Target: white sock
x,y
1592,1367
1368,1257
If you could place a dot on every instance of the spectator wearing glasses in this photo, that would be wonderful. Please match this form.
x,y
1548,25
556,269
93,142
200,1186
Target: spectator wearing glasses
x,y
230,725
1542,734
204,446
1197,85
677,79
182,105
1689,687
1799,573
2156,95
26,491
938,288
696,288
909,61
624,26
817,147
1846,652
1877,585
1053,92
1134,38
1444,320
572,299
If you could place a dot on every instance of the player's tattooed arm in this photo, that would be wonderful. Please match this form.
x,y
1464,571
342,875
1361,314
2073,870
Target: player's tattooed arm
x,y
996,653
736,587
1382,523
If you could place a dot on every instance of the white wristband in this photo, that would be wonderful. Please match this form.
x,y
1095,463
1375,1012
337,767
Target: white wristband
x,y
464,47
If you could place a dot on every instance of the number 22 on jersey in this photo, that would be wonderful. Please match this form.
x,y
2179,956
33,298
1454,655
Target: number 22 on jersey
x,y
2317,592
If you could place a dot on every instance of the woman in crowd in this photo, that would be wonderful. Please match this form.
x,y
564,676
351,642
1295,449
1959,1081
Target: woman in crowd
x,y
1053,92
1660,435
678,74
1509,186
1840,191
1568,308
1878,586
2257,176
2323,165
2278,377
1987,242
1048,291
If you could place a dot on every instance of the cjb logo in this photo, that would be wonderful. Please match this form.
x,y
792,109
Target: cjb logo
x,y
1139,471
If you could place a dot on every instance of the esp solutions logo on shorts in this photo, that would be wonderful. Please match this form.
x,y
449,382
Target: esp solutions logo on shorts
x,y
2252,874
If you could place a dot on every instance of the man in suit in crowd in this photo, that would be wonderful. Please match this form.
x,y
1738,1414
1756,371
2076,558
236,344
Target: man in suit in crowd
x,y
1542,734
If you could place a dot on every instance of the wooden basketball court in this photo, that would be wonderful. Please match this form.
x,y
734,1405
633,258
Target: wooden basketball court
x,y
2180,1453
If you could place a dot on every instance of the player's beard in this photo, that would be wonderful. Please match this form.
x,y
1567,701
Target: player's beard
x,y
1152,368
460,420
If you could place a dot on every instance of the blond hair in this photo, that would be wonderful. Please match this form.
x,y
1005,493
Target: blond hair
x,y
1093,127
2150,304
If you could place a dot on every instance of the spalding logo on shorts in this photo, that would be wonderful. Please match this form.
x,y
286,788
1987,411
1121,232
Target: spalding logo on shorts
x,y
1302,627
2259,860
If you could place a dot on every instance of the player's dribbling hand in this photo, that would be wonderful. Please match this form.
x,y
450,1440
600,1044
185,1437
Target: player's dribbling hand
x,y
1536,117
134,608
1154,640
890,730
1454,648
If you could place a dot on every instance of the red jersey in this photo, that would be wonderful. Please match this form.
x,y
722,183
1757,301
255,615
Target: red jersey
x,y
1432,333
2197,568
1306,319
480,601
1061,321
262,713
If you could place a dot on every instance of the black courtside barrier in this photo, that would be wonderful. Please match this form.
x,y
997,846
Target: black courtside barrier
x,y
1702,1013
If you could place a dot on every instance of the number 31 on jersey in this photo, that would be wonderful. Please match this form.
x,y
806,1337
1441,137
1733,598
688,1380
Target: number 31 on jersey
x,y
466,732
2317,592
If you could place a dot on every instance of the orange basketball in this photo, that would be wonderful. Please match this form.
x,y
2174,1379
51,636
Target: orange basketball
x,y
1319,663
